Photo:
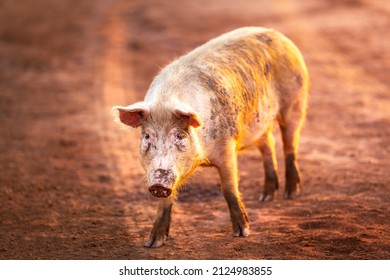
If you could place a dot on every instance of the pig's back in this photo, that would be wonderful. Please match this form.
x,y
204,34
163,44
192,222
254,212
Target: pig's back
x,y
237,71
236,81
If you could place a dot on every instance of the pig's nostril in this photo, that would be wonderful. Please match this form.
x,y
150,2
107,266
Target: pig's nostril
x,y
159,190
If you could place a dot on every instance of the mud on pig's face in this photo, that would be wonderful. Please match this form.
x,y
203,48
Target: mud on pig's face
x,y
166,158
168,146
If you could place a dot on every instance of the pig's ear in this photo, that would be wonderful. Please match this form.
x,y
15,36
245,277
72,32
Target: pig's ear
x,y
188,114
133,115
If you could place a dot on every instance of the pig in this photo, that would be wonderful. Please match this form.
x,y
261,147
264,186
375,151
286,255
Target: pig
x,y
206,106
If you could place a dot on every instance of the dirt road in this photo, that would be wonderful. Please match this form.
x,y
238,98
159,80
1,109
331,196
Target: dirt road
x,y
71,186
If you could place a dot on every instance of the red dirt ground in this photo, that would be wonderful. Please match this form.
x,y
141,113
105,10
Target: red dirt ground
x,y
71,186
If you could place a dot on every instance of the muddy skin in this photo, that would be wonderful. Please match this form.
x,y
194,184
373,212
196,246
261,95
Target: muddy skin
x,y
292,177
264,38
238,215
267,68
164,176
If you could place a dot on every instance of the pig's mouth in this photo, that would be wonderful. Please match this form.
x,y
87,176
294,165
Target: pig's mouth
x,y
159,190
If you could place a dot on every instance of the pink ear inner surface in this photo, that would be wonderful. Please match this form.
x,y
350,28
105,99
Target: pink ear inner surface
x,y
193,119
131,118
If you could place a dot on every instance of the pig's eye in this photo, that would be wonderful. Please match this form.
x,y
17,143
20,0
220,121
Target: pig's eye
x,y
180,135
147,136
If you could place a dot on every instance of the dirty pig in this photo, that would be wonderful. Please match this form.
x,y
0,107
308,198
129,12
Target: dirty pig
x,y
209,104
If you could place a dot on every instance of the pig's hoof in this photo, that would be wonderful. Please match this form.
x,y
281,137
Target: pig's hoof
x,y
291,194
154,243
243,232
265,197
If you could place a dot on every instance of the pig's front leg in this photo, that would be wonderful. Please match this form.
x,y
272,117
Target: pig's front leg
x,y
228,172
161,226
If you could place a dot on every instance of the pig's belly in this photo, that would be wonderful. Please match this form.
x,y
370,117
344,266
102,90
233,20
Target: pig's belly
x,y
253,133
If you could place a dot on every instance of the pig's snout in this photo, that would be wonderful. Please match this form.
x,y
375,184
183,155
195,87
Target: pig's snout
x,y
159,190
162,182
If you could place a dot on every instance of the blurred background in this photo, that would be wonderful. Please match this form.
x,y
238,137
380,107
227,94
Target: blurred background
x,y
71,186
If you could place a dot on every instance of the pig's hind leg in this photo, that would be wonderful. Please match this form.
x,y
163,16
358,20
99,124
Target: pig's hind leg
x,y
162,224
267,147
290,128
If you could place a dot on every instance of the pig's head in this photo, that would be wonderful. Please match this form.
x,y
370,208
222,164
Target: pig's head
x,y
170,149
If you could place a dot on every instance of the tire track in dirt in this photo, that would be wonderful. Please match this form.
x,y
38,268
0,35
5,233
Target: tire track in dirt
x,y
113,93
119,143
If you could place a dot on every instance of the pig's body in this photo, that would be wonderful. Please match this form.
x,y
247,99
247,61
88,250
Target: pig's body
x,y
218,99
